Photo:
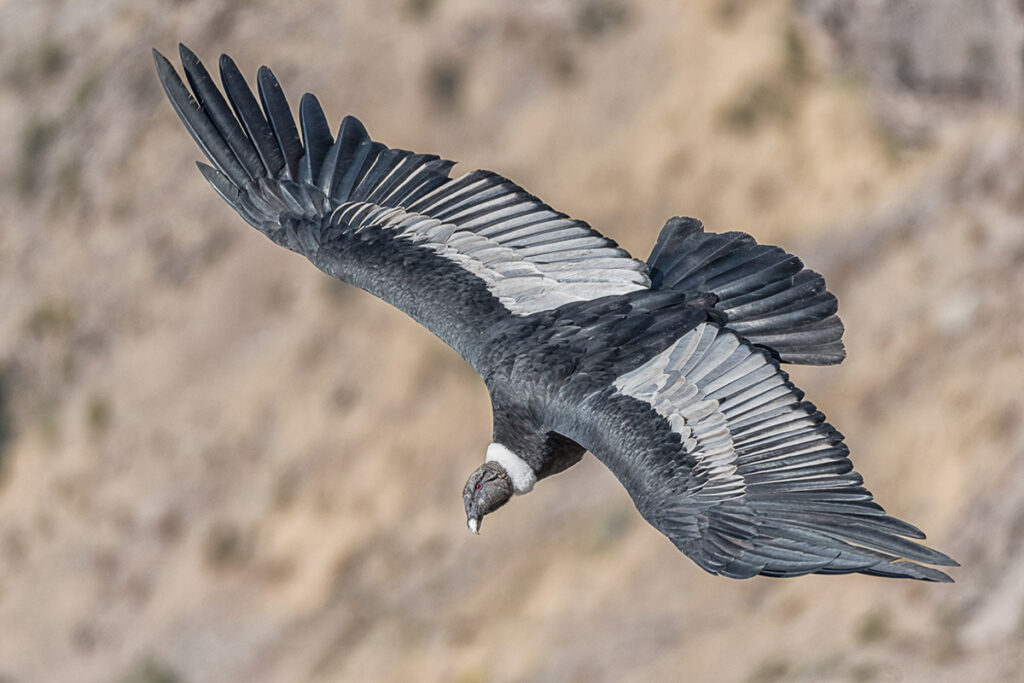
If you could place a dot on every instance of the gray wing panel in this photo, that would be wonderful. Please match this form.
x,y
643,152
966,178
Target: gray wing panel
x,y
554,259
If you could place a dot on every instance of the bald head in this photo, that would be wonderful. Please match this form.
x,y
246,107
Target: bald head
x,y
487,489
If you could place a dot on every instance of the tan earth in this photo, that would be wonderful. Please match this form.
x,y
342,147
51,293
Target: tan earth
x,y
220,465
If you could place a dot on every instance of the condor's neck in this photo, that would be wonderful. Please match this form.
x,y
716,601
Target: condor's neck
x,y
519,428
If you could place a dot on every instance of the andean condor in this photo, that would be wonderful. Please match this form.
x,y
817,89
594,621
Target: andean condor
x,y
666,370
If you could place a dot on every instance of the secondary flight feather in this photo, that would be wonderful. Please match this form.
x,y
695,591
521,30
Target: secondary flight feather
x,y
667,370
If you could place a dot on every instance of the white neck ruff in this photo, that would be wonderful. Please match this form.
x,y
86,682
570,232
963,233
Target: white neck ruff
x,y
522,475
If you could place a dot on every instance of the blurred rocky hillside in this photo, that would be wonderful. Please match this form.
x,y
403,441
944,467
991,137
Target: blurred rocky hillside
x,y
216,464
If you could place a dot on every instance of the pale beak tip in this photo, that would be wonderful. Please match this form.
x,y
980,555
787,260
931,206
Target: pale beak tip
x,y
474,525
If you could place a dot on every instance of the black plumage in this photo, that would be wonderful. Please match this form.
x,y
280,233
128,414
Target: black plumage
x,y
766,294
667,370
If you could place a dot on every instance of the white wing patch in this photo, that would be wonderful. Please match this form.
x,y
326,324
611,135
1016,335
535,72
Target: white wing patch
x,y
709,385
733,410
530,259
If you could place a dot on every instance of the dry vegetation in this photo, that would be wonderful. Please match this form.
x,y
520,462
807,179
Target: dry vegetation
x,y
215,464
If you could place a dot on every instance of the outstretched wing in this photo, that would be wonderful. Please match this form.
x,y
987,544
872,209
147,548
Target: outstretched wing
x,y
720,453
455,254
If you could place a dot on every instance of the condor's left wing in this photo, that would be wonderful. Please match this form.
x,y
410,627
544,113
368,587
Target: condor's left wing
x,y
456,254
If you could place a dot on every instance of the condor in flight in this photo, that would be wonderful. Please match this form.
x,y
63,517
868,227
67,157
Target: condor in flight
x,y
666,370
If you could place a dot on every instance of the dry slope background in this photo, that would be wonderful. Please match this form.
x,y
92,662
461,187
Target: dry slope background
x,y
219,465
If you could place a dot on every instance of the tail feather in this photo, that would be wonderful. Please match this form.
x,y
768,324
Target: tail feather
x,y
765,293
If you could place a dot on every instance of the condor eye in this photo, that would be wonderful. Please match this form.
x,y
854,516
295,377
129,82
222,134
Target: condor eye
x,y
479,486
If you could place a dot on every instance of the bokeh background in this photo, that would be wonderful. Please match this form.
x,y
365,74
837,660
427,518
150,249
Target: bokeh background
x,y
219,465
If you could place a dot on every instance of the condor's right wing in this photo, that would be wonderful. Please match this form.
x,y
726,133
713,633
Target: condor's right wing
x,y
719,453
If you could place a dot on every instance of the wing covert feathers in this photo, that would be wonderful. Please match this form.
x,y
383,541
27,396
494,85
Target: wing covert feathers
x,y
766,293
762,483
293,182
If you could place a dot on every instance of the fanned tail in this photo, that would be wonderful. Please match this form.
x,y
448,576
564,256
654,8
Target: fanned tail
x,y
765,293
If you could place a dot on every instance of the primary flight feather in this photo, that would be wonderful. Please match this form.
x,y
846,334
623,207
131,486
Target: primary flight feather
x,y
666,370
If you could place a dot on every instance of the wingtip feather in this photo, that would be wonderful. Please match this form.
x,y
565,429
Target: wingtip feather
x,y
188,57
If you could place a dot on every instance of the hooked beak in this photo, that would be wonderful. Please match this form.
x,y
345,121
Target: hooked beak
x,y
474,524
